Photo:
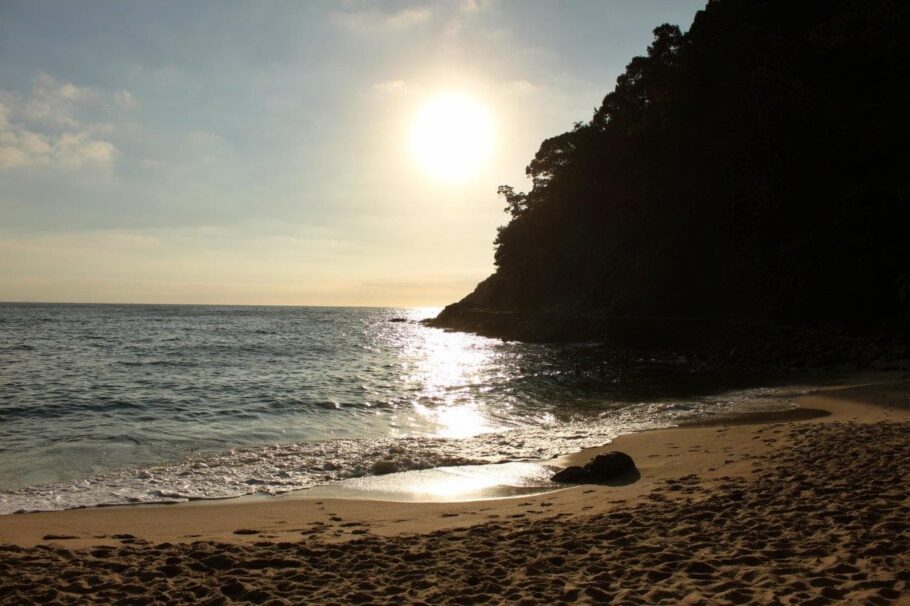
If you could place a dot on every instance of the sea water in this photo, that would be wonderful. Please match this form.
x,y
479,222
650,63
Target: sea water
x,y
118,404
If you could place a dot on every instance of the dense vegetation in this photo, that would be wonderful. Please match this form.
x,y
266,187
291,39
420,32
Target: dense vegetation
x,y
755,167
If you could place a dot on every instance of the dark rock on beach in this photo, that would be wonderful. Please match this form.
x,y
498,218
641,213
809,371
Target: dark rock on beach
x,y
601,469
381,468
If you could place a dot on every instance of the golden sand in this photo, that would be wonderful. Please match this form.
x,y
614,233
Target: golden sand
x,y
783,509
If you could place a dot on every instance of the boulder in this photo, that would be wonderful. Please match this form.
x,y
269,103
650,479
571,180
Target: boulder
x,y
381,468
571,475
601,469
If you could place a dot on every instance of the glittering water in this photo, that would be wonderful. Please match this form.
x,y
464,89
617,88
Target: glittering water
x,y
104,404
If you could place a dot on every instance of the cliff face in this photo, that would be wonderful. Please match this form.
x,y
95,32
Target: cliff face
x,y
747,174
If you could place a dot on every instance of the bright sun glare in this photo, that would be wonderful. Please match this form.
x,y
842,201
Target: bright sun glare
x,y
452,137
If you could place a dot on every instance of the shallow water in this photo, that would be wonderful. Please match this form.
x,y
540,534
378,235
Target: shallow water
x,y
103,404
442,484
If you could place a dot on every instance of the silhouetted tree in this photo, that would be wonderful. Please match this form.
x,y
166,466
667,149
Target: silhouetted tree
x,y
755,167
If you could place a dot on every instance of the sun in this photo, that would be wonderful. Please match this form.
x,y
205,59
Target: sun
x,y
452,137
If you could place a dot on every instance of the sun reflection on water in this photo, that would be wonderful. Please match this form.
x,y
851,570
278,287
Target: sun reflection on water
x,y
464,482
451,485
458,421
446,369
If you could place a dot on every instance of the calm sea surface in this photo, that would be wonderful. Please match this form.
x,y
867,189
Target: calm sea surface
x,y
103,404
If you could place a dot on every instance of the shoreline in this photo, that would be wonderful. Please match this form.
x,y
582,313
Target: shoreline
x,y
72,525
683,471
166,483
380,491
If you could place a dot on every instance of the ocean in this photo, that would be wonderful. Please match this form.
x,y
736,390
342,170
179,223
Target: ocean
x,y
119,404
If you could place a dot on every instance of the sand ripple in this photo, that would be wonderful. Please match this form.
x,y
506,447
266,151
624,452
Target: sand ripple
x,y
826,520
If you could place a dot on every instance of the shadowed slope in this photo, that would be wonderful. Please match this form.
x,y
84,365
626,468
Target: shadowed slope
x,y
750,172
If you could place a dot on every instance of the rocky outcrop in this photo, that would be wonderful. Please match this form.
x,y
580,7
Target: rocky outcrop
x,y
725,342
602,469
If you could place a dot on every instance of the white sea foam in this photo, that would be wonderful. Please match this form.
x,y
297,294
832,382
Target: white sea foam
x,y
285,467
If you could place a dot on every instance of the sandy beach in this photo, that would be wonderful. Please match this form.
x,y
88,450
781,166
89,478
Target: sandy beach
x,y
810,506
454,302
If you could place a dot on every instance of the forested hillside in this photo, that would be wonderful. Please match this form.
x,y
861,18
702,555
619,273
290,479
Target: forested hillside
x,y
755,167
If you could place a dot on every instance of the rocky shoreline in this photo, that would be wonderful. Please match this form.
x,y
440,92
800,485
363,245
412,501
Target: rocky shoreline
x,y
728,342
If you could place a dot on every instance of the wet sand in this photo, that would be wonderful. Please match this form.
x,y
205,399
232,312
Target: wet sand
x,y
791,508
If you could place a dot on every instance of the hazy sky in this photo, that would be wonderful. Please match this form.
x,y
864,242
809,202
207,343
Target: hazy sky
x,y
257,152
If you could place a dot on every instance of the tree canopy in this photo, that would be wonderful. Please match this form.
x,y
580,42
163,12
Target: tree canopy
x,y
753,167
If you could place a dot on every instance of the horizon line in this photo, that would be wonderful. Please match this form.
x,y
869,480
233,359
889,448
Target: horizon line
x,y
224,305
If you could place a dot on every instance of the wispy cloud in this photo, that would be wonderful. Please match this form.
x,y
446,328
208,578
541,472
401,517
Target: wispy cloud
x,y
45,127
522,87
473,6
368,18
390,86
124,99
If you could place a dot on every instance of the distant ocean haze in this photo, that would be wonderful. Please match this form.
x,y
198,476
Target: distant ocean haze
x,y
104,404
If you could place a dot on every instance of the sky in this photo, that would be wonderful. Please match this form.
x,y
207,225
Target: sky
x,y
262,153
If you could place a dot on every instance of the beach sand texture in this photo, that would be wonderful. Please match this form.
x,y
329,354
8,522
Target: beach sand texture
x,y
777,511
